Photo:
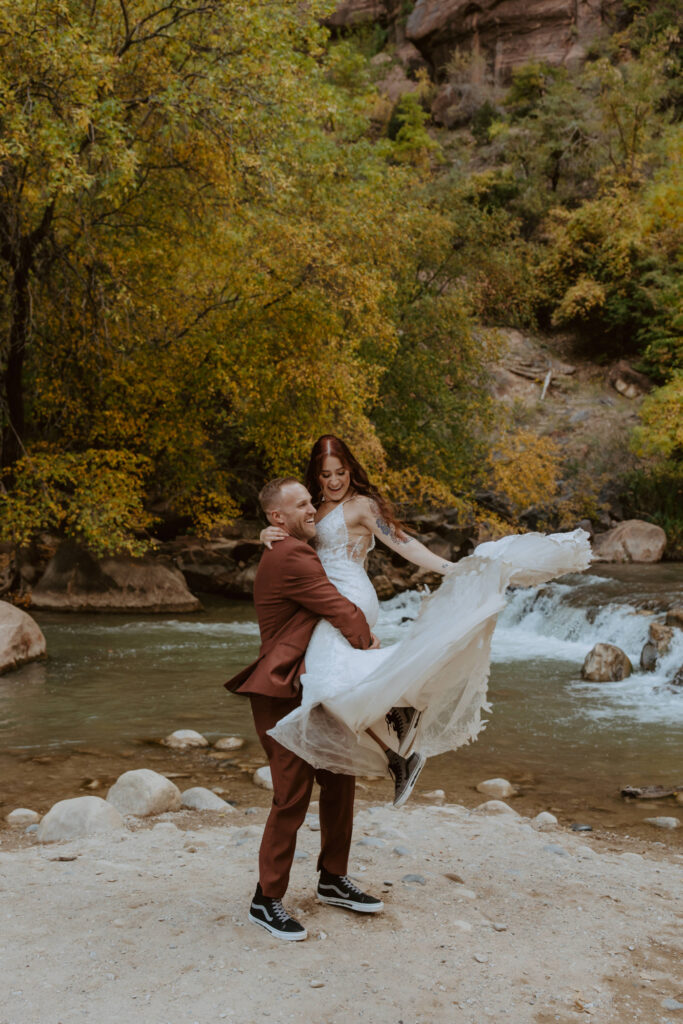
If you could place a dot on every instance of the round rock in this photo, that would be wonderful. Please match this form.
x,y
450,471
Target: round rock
x,y
495,807
544,820
143,792
663,822
435,794
606,663
80,816
21,639
263,778
631,541
201,799
229,743
498,789
22,816
183,739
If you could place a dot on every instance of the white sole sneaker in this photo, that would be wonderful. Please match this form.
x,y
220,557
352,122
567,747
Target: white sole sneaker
x,y
287,936
420,761
409,738
360,908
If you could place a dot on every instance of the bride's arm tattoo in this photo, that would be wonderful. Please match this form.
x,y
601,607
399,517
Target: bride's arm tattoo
x,y
386,528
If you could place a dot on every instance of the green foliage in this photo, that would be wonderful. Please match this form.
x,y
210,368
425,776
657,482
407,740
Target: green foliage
x,y
413,143
612,271
210,253
530,82
661,430
482,119
95,497
655,488
655,493
214,258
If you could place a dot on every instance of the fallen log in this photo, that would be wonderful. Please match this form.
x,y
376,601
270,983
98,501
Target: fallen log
x,y
650,792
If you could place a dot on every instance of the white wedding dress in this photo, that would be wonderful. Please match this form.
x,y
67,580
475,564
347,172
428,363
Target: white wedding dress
x,y
440,667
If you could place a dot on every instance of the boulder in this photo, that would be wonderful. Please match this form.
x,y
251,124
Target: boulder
x,y
359,12
606,663
21,639
674,616
496,788
183,739
22,816
506,33
244,580
75,581
263,778
80,816
678,678
215,566
648,657
143,792
201,799
661,636
627,381
631,541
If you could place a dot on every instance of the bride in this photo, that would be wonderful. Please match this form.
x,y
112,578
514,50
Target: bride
x,y
366,712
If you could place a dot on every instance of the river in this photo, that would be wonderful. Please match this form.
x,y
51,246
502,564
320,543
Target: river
x,y
114,682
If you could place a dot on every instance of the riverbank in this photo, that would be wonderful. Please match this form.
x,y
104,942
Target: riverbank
x,y
486,919
38,779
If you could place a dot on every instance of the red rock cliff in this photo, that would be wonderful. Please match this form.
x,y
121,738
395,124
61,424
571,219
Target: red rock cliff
x,y
505,32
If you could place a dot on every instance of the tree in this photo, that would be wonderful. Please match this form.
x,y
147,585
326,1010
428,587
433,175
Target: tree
x,y
203,249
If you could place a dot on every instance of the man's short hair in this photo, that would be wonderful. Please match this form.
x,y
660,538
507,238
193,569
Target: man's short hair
x,y
270,494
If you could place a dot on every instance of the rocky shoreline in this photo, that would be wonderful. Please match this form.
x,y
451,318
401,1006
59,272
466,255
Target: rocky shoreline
x,y
231,769
59,575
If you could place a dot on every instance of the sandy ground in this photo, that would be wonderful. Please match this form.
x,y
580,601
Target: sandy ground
x,y
502,923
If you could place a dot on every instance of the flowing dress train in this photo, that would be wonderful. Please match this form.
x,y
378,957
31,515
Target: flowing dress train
x,y
440,667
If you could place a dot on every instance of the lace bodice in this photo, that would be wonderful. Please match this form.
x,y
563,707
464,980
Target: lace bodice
x,y
333,543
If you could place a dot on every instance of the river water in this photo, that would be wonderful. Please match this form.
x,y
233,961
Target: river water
x,y
112,680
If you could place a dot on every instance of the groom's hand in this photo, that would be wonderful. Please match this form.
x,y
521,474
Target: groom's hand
x,y
375,645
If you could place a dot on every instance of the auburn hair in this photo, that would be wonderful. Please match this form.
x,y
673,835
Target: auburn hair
x,y
329,445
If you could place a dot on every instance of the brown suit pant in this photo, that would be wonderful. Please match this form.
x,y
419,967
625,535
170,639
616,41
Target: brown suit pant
x,y
292,786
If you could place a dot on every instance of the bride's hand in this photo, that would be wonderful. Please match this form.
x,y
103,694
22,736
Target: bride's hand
x,y
271,534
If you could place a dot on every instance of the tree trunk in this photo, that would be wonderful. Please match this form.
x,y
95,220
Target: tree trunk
x,y
13,433
21,257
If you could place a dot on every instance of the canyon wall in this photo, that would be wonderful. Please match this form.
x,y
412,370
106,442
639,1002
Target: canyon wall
x,y
505,33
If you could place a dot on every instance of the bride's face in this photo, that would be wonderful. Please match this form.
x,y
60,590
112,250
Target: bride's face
x,y
334,479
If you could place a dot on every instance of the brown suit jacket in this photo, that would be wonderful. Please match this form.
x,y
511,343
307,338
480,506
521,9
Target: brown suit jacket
x,y
291,594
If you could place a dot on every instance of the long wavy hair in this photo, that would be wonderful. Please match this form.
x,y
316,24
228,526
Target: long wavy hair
x,y
329,445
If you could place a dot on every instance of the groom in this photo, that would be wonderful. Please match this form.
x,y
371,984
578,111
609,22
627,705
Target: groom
x,y
291,594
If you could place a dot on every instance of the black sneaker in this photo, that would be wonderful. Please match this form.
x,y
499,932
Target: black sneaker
x,y
339,891
272,916
404,722
404,772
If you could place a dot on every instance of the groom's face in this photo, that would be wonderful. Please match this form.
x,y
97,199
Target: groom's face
x,y
295,512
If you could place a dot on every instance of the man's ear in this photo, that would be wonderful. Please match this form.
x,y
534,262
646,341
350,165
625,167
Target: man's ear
x,y
274,517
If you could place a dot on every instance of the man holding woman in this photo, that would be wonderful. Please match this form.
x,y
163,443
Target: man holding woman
x,y
327,702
